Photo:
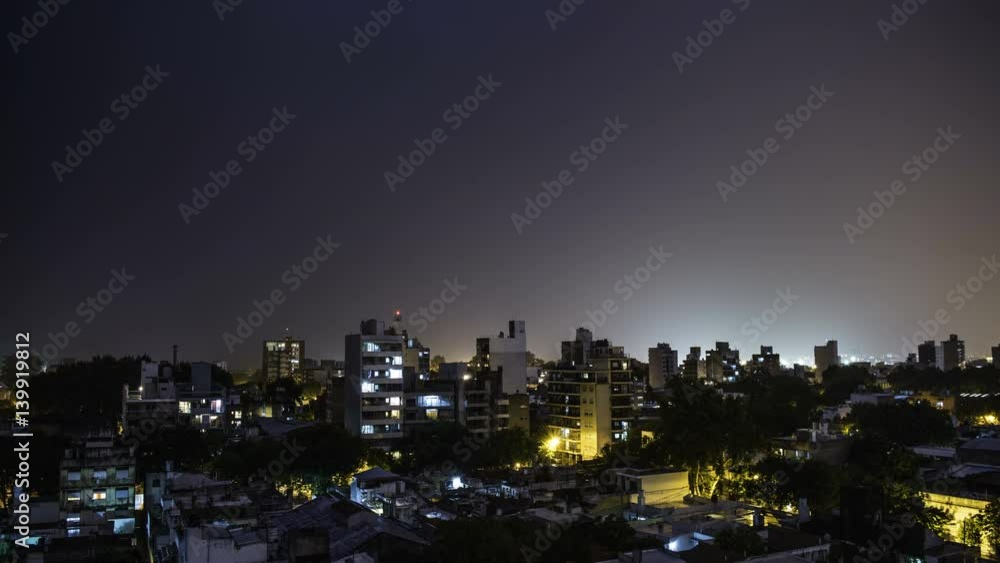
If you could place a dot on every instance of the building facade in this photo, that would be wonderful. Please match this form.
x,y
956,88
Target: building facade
x,y
953,351
722,363
97,487
825,357
283,358
590,398
694,366
662,365
927,354
765,363
373,371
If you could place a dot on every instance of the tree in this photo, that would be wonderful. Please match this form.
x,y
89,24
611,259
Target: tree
x,y
705,433
840,381
989,519
436,362
904,423
304,461
777,482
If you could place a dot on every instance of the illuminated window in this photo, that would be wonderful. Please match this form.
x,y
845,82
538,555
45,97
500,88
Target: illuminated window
x,y
217,406
432,414
395,374
367,387
73,518
184,407
100,494
394,401
72,532
367,429
397,360
73,496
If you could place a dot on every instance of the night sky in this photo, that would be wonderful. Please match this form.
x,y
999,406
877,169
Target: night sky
x,y
655,185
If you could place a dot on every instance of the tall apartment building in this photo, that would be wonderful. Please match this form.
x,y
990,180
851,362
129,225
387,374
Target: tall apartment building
x,y
826,356
472,400
722,363
662,365
97,487
283,358
506,355
765,363
417,359
927,354
499,375
373,394
590,398
693,366
953,352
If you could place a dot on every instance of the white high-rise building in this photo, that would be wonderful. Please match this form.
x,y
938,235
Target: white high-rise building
x,y
373,366
507,354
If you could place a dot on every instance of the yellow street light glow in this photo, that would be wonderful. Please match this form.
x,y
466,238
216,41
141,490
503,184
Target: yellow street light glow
x,y
552,444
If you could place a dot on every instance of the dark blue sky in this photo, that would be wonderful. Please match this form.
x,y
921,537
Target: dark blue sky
x,y
655,185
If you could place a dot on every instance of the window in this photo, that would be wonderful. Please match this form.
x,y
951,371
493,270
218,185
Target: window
x,y
394,401
217,406
72,532
156,482
73,518
73,496
100,494
100,475
397,360
121,494
395,374
73,476
432,414
367,387
184,407
367,429
121,474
